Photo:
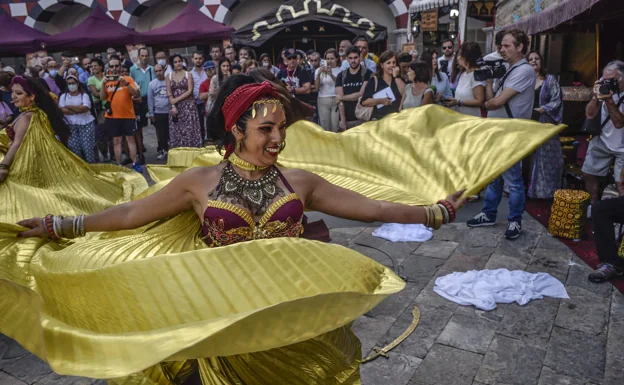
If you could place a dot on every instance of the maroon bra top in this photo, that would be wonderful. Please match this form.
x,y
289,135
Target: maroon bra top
x,y
10,132
226,224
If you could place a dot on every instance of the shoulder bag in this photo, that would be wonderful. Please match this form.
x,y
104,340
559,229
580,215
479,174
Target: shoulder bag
x,y
365,113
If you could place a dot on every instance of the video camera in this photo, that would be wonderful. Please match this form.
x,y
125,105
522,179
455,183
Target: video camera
x,y
492,67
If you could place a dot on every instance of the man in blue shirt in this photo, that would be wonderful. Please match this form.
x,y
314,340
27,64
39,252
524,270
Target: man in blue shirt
x,y
142,74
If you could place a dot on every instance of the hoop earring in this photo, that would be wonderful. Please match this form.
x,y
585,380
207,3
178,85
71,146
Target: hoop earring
x,y
282,146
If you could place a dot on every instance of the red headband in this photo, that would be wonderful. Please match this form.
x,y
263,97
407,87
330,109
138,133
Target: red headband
x,y
240,100
22,82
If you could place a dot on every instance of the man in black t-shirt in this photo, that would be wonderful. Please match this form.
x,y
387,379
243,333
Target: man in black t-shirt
x,y
298,81
350,85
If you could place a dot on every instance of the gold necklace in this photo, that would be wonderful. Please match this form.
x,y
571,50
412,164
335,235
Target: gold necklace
x,y
243,164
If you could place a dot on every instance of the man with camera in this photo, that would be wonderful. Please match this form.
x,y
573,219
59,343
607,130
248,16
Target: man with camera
x,y
608,144
447,60
512,98
118,91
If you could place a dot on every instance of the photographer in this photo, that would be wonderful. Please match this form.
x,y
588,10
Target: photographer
x,y
118,91
513,98
447,60
609,144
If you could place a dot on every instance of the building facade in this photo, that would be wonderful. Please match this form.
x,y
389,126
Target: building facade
x,y
54,16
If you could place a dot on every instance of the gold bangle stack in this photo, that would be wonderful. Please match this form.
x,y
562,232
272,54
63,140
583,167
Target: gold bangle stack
x,y
68,227
436,216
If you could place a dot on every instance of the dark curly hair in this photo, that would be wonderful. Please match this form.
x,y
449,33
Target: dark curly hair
x,y
293,108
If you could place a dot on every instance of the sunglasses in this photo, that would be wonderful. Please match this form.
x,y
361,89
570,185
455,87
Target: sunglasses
x,y
114,66
445,48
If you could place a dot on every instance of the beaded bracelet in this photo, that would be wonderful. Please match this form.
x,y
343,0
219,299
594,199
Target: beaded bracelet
x,y
450,208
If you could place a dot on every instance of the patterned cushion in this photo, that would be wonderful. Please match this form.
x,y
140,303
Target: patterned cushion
x,y
568,214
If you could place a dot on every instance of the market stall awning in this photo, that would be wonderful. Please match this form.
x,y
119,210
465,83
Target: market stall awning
x,y
298,11
427,5
535,17
96,31
17,38
190,26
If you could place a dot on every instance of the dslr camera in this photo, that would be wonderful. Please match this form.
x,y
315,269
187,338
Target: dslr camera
x,y
492,67
608,85
444,66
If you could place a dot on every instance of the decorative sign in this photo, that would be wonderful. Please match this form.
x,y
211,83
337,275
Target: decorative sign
x,y
429,21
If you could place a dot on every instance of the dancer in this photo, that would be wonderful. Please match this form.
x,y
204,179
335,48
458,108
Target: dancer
x,y
247,197
38,173
266,311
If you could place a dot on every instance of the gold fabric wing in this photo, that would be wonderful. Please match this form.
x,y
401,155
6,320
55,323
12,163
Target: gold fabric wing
x,y
418,156
118,304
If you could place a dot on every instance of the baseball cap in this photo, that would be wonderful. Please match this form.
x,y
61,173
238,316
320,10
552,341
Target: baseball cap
x,y
290,52
208,64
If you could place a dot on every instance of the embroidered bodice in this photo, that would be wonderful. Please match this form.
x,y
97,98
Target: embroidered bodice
x,y
226,224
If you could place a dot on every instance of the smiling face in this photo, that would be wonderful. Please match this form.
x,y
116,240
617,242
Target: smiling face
x,y
263,136
388,66
20,98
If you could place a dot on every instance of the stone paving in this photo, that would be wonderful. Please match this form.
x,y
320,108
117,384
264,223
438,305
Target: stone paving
x,y
547,342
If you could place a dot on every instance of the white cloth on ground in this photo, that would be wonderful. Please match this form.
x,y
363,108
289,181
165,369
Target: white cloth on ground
x,y
485,288
397,232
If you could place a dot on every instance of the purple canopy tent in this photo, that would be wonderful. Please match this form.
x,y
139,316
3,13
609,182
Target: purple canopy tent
x,y
17,38
96,31
190,26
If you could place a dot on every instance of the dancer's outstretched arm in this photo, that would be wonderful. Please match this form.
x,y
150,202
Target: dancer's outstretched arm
x,y
339,202
174,198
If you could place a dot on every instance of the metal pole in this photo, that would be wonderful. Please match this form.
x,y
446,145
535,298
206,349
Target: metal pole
x,y
597,50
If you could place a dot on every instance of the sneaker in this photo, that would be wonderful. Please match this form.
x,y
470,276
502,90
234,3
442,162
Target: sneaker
x,y
137,167
513,230
161,155
480,221
605,272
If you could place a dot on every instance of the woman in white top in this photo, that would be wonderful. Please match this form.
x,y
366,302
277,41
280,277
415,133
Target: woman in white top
x,y
224,66
470,94
325,79
76,105
418,92
265,61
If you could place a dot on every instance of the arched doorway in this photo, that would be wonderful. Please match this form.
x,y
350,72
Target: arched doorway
x,y
308,24
157,13
65,15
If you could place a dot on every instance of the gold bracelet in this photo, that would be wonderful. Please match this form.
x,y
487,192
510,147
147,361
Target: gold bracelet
x,y
439,217
426,216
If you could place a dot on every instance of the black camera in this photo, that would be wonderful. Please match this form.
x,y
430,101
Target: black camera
x,y
444,66
491,68
608,85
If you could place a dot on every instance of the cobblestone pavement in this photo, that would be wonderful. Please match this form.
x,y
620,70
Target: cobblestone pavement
x,y
547,342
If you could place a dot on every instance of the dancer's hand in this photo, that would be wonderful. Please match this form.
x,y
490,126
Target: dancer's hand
x,y
36,227
456,200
